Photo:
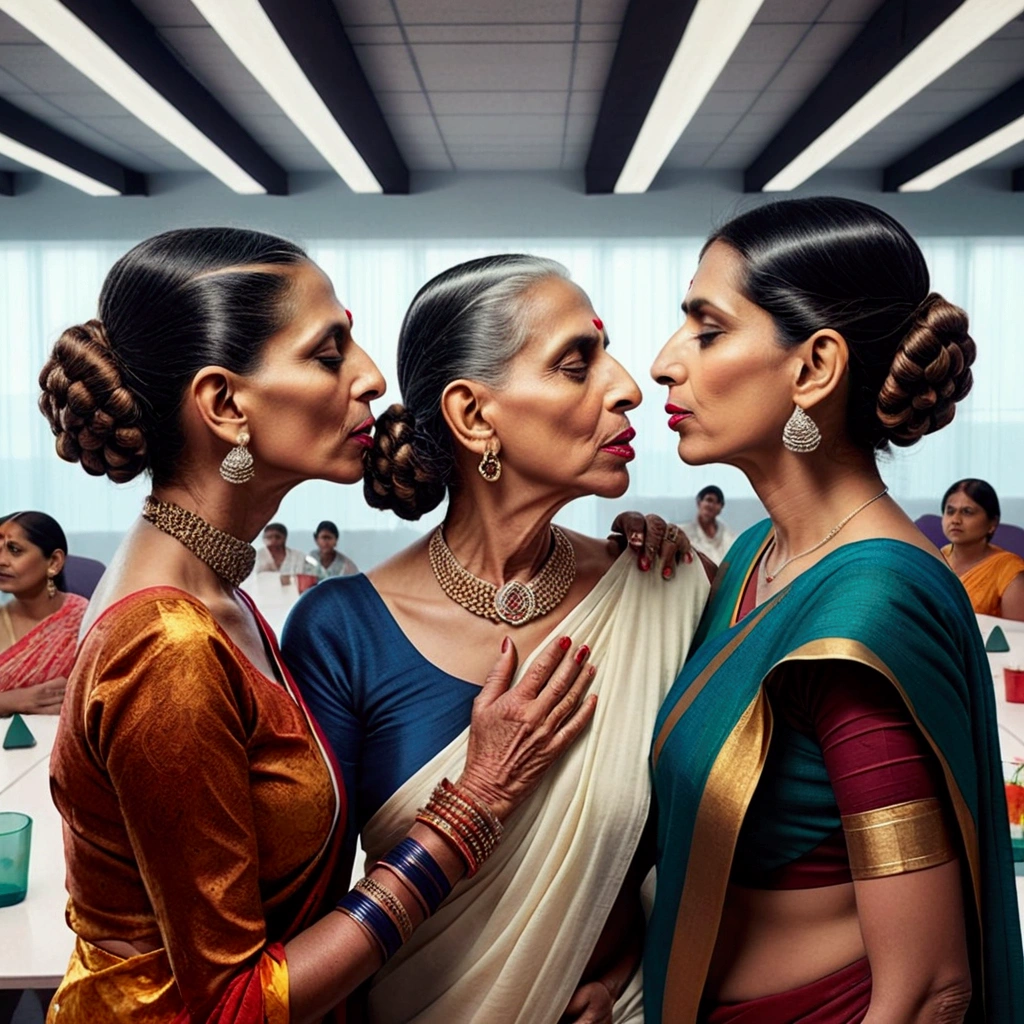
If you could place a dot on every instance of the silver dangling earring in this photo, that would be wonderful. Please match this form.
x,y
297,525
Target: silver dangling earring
x,y
801,433
238,466
51,587
490,465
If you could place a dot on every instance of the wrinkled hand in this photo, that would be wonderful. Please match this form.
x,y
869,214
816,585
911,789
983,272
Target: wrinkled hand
x,y
41,699
590,1004
652,540
516,734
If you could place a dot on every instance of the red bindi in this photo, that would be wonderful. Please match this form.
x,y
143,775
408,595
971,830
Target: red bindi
x,y
598,323
348,313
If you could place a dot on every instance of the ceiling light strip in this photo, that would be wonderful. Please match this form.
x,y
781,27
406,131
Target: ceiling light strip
x,y
53,168
72,39
246,29
711,35
964,30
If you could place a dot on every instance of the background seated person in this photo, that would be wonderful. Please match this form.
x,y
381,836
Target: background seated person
x,y
276,556
39,627
707,533
326,553
992,577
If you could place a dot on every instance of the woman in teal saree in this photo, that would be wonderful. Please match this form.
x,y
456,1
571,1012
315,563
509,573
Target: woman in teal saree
x,y
832,831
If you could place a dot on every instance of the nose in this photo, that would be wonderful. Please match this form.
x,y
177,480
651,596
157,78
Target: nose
x,y
625,393
667,369
369,381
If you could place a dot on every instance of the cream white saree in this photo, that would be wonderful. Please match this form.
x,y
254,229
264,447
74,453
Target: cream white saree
x,y
510,945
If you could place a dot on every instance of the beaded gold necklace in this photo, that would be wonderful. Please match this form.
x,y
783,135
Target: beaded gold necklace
x,y
514,603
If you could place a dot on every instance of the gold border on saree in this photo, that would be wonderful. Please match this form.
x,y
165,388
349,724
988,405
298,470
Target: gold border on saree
x,y
898,839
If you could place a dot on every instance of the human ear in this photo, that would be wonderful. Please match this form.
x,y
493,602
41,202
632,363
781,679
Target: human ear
x,y
821,366
215,398
463,406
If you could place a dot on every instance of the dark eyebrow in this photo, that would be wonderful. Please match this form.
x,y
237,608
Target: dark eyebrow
x,y
695,306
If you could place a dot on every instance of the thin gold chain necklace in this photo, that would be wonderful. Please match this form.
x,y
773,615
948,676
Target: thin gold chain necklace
x,y
772,577
230,558
515,603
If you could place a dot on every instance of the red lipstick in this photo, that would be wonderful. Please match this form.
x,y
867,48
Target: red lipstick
x,y
676,415
620,446
361,435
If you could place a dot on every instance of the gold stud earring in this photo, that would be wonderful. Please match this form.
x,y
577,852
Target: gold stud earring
x,y
51,587
238,466
490,464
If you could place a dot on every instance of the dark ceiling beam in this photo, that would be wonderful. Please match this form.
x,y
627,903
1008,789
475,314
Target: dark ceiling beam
x,y
895,30
985,120
313,32
1018,179
6,183
651,33
36,135
121,25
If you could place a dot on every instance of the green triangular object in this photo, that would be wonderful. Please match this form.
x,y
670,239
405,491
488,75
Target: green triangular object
x,y
18,734
996,642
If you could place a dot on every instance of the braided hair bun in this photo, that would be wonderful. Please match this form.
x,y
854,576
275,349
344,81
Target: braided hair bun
x,y
930,373
397,475
93,415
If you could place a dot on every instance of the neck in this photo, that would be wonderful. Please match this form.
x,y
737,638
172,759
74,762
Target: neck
x,y
498,539
969,552
37,604
807,495
709,526
235,510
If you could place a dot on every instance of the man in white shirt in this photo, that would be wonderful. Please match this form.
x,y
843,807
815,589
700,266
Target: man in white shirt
x,y
707,534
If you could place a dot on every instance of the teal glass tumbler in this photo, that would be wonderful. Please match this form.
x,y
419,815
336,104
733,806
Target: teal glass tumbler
x,y
15,843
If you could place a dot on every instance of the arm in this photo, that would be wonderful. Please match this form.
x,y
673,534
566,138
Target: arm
x,y
914,934
41,699
892,796
620,947
1011,604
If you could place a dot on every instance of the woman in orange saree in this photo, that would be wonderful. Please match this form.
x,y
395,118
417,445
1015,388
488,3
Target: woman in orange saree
x,y
992,577
201,809
39,627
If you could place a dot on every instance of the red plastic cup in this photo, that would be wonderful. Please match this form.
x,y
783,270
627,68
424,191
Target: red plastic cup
x,y
1014,680
304,582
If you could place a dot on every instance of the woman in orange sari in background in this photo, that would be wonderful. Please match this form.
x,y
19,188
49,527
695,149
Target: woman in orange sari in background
x,y
39,627
992,577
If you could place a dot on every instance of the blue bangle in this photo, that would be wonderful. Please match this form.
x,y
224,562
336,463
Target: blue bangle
x,y
374,919
414,862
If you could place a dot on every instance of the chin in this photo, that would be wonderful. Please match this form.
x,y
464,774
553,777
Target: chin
x,y
615,486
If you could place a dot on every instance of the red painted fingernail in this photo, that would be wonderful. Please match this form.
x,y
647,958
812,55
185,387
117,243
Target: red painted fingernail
x,y
565,643
645,564
504,645
689,558
666,573
581,654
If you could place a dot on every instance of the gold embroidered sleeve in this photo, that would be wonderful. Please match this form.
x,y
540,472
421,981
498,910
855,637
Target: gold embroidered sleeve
x,y
898,839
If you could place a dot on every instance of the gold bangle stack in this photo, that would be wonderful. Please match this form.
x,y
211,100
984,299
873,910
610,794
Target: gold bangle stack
x,y
468,825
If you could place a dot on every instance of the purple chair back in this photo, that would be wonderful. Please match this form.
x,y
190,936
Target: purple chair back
x,y
1006,536
82,574
931,527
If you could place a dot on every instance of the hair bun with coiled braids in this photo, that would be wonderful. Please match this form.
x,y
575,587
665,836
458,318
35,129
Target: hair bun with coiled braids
x,y
93,415
397,476
930,373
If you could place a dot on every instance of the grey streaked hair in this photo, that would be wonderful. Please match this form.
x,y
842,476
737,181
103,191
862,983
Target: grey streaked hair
x,y
469,322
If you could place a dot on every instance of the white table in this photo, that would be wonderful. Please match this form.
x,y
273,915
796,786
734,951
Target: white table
x,y
35,941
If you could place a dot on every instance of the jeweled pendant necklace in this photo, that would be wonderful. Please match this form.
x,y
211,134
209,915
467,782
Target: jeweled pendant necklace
x,y
515,603
230,558
772,577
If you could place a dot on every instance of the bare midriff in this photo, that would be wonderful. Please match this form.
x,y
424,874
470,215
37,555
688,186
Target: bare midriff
x,y
772,941
126,950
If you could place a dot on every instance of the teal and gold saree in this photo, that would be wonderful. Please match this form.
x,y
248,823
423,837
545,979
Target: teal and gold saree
x,y
884,604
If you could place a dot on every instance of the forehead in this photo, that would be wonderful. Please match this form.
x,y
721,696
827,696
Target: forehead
x,y
719,275
272,533
556,303
310,304
961,498
12,530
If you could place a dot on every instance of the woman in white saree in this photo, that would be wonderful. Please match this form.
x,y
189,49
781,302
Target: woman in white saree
x,y
514,407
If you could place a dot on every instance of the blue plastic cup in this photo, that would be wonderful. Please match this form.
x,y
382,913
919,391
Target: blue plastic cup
x,y
15,843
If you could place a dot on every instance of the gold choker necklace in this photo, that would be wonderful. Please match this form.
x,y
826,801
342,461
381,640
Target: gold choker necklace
x,y
514,603
230,558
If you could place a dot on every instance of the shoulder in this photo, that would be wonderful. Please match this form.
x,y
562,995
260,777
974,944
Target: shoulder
x,y
332,606
593,556
1008,561
74,606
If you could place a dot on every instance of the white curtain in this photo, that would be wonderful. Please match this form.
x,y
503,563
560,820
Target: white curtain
x,y
636,287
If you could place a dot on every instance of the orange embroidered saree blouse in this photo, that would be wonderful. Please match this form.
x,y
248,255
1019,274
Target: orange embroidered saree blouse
x,y
199,813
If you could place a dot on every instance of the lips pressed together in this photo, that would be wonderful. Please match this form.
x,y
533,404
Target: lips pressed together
x,y
620,445
676,415
361,435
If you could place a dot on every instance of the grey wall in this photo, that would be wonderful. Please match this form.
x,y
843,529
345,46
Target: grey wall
x,y
483,205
